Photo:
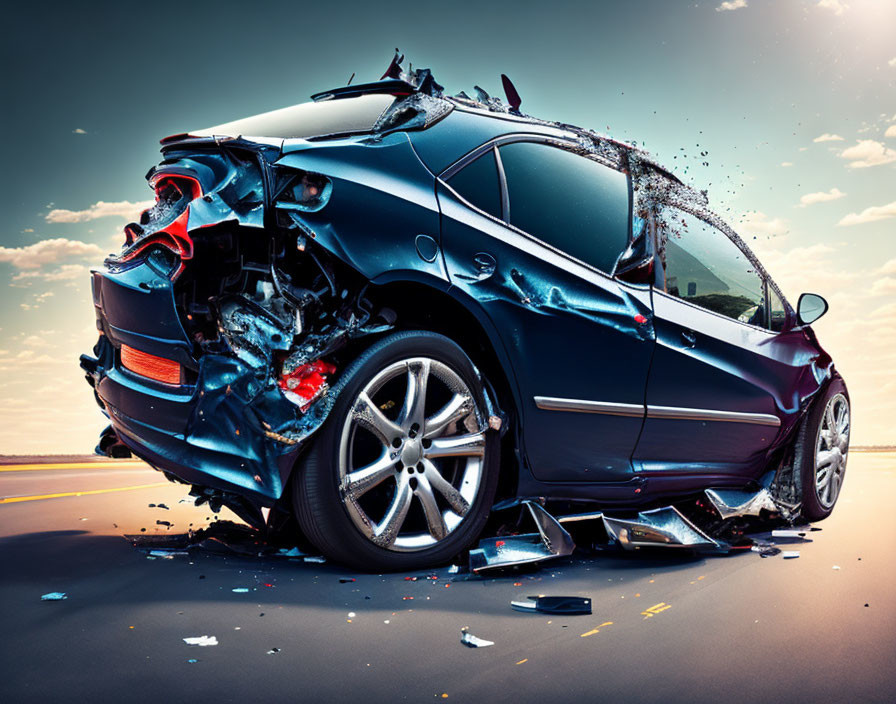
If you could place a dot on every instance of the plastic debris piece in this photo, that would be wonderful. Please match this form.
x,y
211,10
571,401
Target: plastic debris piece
x,y
240,590
54,596
471,641
346,580
273,651
790,554
315,558
787,533
454,569
192,660
201,640
563,605
765,549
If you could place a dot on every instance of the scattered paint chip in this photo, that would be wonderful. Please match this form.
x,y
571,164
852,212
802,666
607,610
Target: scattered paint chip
x,y
54,596
522,661
201,640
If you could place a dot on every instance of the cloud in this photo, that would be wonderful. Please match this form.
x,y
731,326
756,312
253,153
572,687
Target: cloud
x,y
889,268
731,5
78,130
66,272
836,6
867,152
892,62
828,137
821,197
100,209
886,285
34,256
891,131
872,214
786,163
757,223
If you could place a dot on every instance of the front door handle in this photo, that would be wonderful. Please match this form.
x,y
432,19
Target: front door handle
x,y
689,338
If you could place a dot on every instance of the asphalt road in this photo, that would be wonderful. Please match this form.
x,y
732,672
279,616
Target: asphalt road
x,y
664,628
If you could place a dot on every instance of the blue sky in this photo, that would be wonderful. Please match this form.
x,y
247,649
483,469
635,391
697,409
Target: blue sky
x,y
794,103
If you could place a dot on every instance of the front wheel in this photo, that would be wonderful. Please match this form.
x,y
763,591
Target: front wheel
x,y
822,452
403,472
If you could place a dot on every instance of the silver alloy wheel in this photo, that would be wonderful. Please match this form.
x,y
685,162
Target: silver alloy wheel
x,y
831,449
436,459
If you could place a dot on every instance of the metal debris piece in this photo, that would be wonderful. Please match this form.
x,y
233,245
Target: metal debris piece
x,y
471,641
315,558
273,651
790,554
550,541
662,527
766,549
560,605
735,504
54,596
201,640
781,533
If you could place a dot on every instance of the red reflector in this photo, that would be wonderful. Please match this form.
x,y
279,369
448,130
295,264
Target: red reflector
x,y
640,319
150,366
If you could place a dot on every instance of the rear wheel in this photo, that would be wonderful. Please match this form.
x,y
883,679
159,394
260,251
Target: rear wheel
x,y
824,446
403,472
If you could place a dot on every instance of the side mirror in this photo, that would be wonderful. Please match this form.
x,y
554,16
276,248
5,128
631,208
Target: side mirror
x,y
810,308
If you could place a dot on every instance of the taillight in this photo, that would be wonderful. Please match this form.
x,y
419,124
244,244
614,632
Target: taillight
x,y
149,365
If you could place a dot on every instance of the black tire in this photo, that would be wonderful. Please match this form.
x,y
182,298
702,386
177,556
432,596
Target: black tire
x,y
816,505
319,503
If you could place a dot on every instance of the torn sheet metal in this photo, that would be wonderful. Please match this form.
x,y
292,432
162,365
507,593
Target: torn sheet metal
x,y
662,527
738,504
550,541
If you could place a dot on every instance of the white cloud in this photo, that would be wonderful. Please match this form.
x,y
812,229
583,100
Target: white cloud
x,y
872,214
786,163
34,256
100,209
867,152
78,130
889,268
821,197
66,272
891,131
836,6
892,62
757,223
731,5
828,137
885,285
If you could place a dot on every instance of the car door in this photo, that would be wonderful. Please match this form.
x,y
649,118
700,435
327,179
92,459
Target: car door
x,y
719,381
531,231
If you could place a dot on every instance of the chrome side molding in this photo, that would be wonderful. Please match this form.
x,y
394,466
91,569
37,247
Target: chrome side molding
x,y
553,403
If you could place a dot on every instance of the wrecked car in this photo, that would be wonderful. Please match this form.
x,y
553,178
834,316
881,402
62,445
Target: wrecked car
x,y
389,312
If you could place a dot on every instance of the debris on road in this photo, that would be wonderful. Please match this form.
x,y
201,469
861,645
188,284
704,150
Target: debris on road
x,y
790,554
471,641
562,605
273,651
240,590
201,640
54,596
315,558
786,533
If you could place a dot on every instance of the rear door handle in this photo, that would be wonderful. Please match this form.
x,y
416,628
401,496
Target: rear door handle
x,y
689,338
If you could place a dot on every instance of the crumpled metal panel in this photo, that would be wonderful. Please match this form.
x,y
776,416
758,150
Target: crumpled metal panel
x,y
662,527
731,503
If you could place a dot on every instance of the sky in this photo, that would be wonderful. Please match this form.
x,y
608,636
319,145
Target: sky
x,y
793,103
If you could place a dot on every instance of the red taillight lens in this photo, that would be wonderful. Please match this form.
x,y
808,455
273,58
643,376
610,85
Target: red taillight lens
x,y
165,370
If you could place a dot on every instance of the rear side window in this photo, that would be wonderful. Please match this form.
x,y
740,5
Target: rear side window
x,y
777,311
575,204
477,183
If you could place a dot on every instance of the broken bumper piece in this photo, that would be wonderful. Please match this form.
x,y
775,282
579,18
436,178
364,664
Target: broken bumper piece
x,y
550,541
662,527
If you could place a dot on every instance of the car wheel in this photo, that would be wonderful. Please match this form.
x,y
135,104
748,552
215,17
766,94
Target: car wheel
x,y
822,452
403,472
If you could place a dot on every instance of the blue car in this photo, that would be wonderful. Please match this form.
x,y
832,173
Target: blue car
x,y
390,313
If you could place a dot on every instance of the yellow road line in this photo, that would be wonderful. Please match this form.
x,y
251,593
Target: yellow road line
x,y
596,630
16,499
69,465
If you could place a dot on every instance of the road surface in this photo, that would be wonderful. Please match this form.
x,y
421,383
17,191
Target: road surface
x,y
821,628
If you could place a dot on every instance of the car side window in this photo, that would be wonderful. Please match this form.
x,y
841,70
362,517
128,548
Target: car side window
x,y
477,183
705,267
777,312
575,204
